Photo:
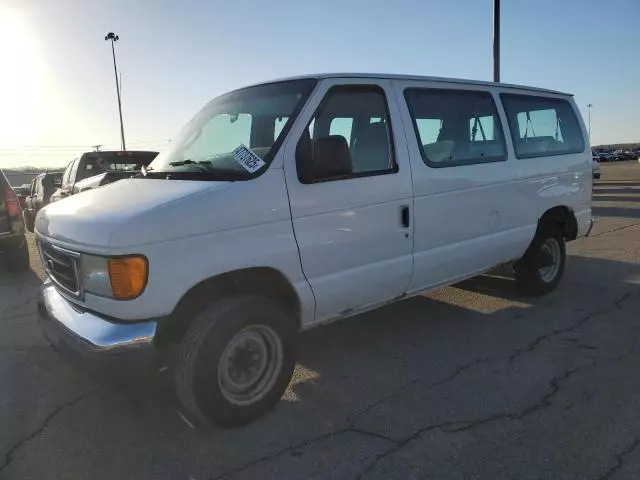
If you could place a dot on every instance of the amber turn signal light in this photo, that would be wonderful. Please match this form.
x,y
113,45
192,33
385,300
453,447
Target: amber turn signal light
x,y
128,276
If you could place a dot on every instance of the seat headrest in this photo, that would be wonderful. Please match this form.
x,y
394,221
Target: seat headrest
x,y
331,157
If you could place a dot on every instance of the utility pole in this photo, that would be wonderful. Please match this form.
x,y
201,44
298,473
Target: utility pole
x,y
114,38
496,40
589,106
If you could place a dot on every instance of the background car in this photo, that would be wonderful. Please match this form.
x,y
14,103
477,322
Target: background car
x,y
14,250
41,190
595,167
95,169
22,192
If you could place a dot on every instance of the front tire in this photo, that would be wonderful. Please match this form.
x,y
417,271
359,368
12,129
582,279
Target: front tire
x,y
236,360
539,271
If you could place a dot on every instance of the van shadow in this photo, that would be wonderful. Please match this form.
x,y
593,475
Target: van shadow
x,y
615,212
346,367
613,183
27,280
616,198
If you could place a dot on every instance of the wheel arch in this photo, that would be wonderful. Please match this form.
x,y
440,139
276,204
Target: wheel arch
x,y
262,281
564,218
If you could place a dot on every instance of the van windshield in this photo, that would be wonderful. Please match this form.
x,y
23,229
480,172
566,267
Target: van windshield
x,y
235,136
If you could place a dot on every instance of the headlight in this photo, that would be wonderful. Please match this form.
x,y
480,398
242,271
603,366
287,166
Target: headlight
x,y
123,278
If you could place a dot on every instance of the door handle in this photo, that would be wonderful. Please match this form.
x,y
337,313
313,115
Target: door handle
x,y
405,219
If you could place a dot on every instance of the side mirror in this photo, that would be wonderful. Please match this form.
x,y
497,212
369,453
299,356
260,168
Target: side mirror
x,y
329,157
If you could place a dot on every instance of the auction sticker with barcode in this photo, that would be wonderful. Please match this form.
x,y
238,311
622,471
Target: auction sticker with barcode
x,y
249,160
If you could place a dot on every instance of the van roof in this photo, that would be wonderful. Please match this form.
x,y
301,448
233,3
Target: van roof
x,y
415,77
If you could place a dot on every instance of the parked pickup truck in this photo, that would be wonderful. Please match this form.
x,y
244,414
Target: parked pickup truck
x,y
295,203
94,169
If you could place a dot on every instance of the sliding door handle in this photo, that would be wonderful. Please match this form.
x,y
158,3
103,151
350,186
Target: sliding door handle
x,y
405,218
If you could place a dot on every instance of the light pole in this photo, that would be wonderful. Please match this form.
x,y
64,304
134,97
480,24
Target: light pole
x,y
496,40
589,106
114,38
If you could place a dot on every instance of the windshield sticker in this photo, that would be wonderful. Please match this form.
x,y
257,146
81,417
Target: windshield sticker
x,y
249,160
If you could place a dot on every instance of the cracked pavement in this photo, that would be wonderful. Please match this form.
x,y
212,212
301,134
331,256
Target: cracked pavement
x,y
472,381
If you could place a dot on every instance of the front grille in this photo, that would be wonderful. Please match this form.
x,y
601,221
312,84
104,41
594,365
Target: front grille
x,y
62,267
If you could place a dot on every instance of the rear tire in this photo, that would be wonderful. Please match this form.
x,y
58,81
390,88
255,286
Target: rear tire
x,y
236,360
17,259
539,271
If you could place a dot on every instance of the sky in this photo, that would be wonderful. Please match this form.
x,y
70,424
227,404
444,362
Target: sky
x,y
57,87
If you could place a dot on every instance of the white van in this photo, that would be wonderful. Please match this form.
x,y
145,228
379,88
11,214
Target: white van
x,y
293,203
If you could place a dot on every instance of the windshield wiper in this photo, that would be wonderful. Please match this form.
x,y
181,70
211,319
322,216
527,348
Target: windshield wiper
x,y
189,162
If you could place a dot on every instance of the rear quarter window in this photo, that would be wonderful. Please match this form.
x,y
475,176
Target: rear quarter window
x,y
542,126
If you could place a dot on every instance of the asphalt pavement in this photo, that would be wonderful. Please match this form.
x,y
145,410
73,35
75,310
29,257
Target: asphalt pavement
x,y
472,381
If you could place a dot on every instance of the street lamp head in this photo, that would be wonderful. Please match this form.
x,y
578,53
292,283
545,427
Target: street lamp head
x,y
112,36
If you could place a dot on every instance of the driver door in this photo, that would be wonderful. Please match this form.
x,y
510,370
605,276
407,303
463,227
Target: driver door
x,y
350,191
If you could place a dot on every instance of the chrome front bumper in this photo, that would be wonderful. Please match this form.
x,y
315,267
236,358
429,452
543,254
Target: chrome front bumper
x,y
91,340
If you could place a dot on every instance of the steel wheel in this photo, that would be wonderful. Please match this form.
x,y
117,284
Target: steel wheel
x,y
250,365
549,260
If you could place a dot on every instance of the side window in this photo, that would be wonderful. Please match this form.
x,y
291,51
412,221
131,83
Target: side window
x,y
39,189
349,136
33,187
428,129
456,127
342,127
481,128
542,126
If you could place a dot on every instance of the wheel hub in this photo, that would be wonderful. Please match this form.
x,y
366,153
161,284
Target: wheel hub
x,y
250,364
549,260
247,361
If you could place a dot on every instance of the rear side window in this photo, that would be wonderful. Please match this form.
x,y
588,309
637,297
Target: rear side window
x,y
542,126
456,127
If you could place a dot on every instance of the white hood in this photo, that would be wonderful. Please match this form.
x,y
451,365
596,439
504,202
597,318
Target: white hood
x,y
97,217
129,213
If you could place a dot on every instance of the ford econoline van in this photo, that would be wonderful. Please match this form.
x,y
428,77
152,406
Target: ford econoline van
x,y
297,202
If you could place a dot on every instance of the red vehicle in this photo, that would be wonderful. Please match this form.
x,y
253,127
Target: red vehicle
x,y
13,243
